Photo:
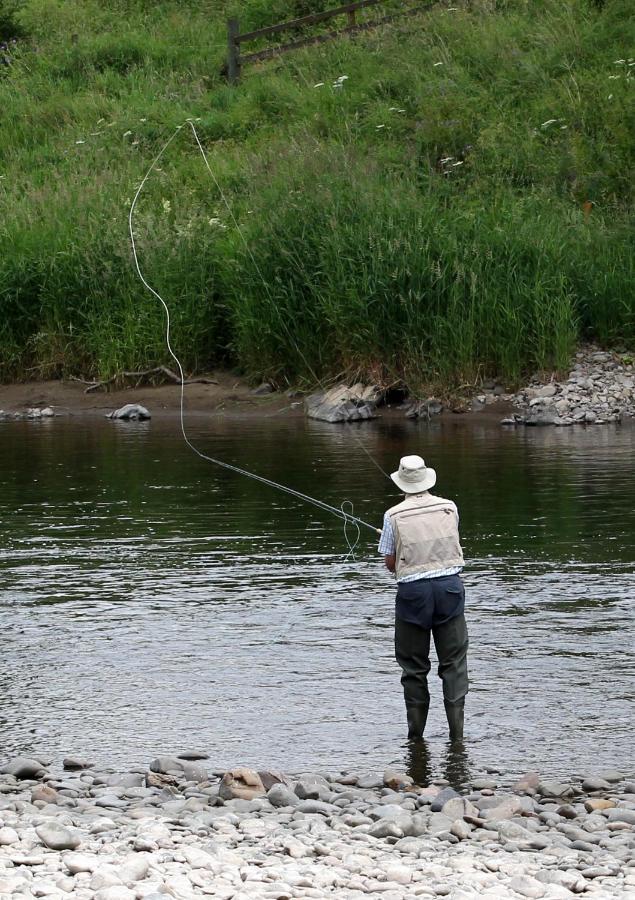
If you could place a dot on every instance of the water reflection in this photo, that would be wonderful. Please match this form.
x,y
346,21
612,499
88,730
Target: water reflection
x,y
454,763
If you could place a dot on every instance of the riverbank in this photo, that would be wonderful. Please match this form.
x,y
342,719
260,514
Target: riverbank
x,y
179,829
599,389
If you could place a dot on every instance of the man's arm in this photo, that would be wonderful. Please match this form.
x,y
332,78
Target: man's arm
x,y
387,545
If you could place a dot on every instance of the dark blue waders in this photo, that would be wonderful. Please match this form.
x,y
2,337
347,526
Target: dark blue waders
x,y
424,608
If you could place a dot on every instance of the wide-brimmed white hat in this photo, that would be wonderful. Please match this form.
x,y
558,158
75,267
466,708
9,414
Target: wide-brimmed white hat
x,y
413,475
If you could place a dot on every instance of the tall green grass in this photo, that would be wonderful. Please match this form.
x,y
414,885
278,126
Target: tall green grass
x,y
423,221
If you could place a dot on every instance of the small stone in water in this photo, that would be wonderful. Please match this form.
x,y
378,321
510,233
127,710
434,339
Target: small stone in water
x,y
193,755
593,783
74,762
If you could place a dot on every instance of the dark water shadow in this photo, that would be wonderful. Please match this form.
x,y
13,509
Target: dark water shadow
x,y
456,765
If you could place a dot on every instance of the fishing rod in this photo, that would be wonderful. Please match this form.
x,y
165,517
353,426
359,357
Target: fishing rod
x,y
348,517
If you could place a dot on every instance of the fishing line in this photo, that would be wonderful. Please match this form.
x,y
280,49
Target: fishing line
x,y
266,285
348,518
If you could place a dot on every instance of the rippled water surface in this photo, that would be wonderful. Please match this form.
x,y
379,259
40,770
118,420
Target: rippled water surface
x,y
151,602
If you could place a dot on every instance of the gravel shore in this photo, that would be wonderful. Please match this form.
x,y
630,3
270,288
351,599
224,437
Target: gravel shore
x,y
180,830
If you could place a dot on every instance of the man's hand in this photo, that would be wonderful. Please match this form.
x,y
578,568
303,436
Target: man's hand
x,y
390,562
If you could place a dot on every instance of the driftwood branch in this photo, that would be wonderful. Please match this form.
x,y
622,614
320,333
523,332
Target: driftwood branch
x,y
140,377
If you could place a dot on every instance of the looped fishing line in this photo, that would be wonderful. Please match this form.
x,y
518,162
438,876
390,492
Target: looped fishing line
x,y
351,547
348,518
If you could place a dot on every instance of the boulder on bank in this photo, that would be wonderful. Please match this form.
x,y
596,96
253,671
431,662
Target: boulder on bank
x,y
424,409
241,783
343,403
24,767
132,412
171,767
599,389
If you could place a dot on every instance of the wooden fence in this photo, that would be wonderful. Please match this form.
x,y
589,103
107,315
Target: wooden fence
x,y
235,59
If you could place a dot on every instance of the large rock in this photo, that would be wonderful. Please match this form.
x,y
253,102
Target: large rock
x,y
621,814
313,787
555,789
597,804
80,862
241,783
24,767
280,795
343,404
594,783
442,798
130,412
424,409
58,837
507,808
43,793
397,781
171,767
457,807
269,778
8,836
73,763
527,783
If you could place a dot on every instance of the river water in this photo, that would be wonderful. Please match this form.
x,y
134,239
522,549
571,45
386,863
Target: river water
x,y
151,602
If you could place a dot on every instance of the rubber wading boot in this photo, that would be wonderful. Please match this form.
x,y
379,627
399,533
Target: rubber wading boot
x,y
455,714
417,715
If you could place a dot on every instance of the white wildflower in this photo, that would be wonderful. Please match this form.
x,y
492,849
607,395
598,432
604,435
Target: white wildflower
x,y
342,78
166,205
610,97
127,133
548,123
437,64
143,120
80,142
563,127
379,126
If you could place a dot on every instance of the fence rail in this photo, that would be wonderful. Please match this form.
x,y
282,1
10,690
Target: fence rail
x,y
235,60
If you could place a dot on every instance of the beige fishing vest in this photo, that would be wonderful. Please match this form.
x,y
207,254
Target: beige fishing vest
x,y
426,530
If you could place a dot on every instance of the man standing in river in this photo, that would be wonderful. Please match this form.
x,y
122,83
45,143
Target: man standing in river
x,y
420,544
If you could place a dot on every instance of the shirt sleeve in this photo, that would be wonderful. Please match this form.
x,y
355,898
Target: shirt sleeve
x,y
387,539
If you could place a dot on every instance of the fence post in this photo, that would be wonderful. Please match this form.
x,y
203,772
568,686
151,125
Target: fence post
x,y
233,52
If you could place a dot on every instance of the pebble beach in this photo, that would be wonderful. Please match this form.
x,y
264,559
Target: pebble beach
x,y
179,829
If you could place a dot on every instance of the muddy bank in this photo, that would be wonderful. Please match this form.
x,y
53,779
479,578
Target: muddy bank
x,y
598,389
230,396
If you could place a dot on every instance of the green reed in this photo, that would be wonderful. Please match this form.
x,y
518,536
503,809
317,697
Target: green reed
x,y
458,206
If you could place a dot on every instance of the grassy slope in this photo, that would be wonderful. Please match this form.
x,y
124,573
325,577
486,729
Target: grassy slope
x,y
362,250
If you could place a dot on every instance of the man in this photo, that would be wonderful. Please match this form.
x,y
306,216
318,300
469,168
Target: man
x,y
420,544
